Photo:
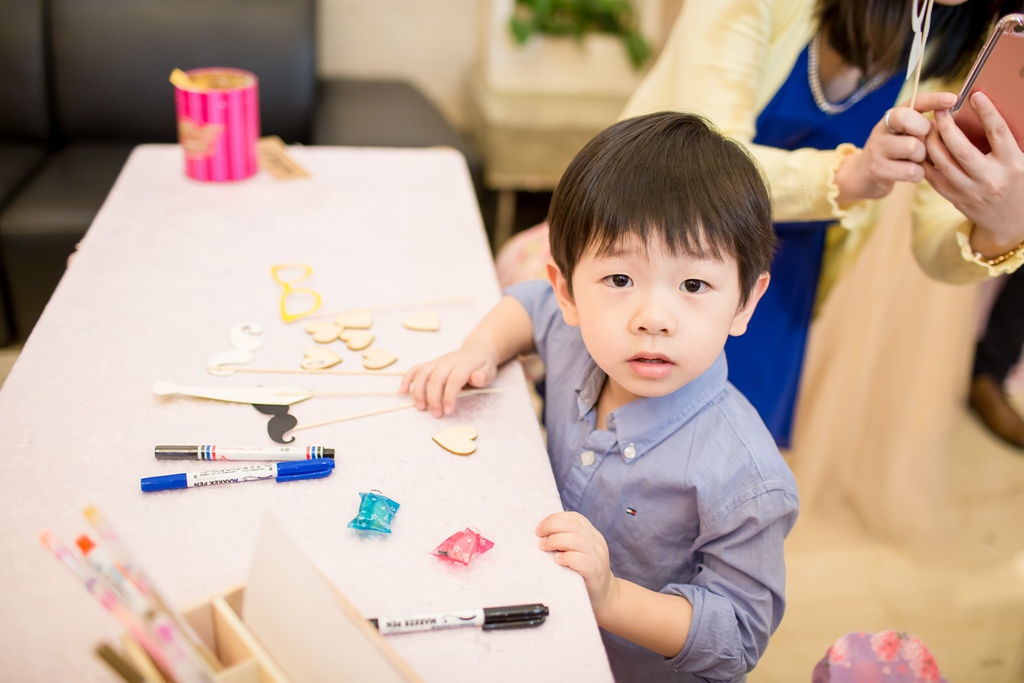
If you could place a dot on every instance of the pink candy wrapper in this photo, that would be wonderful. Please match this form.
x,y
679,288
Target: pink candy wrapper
x,y
219,124
462,546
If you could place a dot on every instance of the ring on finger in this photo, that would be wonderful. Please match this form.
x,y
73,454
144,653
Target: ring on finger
x,y
889,125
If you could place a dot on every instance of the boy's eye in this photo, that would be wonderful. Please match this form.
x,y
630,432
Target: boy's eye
x,y
693,286
619,280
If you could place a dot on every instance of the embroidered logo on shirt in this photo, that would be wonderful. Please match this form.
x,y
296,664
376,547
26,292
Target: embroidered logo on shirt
x,y
631,511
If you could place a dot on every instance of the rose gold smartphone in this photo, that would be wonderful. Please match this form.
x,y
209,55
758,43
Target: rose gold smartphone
x,y
999,73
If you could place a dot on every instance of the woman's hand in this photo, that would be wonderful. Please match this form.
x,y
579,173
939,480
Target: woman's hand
x,y
893,152
580,547
986,188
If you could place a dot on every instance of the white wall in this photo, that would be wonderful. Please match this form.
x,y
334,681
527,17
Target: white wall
x,y
432,43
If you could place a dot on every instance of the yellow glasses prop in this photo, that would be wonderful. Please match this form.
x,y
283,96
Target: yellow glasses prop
x,y
296,302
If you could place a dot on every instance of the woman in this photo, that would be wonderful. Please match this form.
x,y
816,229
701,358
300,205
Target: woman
x,y
809,86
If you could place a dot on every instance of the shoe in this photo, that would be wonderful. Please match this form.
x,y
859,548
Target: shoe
x,y
989,401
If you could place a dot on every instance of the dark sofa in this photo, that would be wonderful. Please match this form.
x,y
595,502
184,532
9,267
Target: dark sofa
x,y
87,80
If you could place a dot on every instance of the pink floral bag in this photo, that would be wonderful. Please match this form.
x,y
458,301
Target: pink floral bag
x,y
884,657
524,257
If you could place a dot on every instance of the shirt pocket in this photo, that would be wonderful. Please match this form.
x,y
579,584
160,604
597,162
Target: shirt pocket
x,y
651,533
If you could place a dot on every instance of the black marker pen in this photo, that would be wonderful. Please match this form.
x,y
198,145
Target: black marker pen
x,y
514,616
271,453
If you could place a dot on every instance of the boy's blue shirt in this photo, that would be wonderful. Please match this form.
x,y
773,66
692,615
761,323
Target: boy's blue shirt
x,y
689,491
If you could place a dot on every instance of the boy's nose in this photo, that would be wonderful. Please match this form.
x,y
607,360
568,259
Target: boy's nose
x,y
654,317
655,327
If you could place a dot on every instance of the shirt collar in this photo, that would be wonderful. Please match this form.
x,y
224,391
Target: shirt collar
x,y
642,424
589,389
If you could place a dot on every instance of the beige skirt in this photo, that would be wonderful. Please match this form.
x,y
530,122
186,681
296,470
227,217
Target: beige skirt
x,y
886,372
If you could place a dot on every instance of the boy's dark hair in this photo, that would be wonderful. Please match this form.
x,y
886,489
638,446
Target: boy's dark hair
x,y
665,175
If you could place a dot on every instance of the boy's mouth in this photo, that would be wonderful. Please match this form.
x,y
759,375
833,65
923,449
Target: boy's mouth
x,y
651,367
650,359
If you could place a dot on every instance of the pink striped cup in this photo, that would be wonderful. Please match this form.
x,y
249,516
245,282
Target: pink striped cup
x,y
219,124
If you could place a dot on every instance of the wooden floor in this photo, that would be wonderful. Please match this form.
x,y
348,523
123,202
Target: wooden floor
x,y
8,354
968,607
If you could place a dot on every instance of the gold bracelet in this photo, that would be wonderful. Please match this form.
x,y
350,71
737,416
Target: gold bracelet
x,y
996,260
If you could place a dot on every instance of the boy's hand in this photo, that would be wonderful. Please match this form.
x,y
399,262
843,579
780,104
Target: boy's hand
x,y
580,547
437,383
657,621
503,333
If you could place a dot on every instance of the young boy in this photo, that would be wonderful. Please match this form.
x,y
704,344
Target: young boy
x,y
678,500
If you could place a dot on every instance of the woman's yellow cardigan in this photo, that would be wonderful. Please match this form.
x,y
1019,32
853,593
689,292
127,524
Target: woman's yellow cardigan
x,y
725,59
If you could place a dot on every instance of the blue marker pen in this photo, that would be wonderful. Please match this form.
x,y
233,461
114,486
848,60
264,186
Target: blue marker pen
x,y
280,471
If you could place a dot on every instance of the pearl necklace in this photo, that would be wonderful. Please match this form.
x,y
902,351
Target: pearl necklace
x,y
814,79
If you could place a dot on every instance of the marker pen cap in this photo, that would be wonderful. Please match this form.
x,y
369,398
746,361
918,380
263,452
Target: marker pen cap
x,y
304,469
515,613
176,452
513,624
164,482
85,544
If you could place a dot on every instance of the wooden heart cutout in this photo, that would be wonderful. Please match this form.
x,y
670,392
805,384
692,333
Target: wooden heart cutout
x,y
318,358
323,332
360,320
357,340
424,321
460,439
376,359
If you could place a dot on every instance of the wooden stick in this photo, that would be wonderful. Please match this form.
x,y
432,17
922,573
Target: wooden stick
x,y
467,392
393,307
354,416
403,406
301,371
335,393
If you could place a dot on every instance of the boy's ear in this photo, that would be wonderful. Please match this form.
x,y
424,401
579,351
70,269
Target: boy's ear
x,y
565,302
743,313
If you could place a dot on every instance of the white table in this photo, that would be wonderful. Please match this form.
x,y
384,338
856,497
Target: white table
x,y
166,269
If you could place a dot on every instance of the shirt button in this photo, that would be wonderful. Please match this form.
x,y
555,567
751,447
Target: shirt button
x,y
630,452
587,458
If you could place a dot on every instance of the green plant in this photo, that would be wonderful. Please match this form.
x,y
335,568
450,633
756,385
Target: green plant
x,y
576,18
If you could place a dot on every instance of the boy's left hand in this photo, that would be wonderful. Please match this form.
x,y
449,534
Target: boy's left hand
x,y
580,547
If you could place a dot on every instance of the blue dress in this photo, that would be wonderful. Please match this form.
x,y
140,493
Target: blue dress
x,y
765,363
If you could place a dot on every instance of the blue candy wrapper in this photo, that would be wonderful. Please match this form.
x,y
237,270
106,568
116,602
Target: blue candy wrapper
x,y
375,513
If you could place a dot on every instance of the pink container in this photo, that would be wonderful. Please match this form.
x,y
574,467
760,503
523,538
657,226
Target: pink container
x,y
219,124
